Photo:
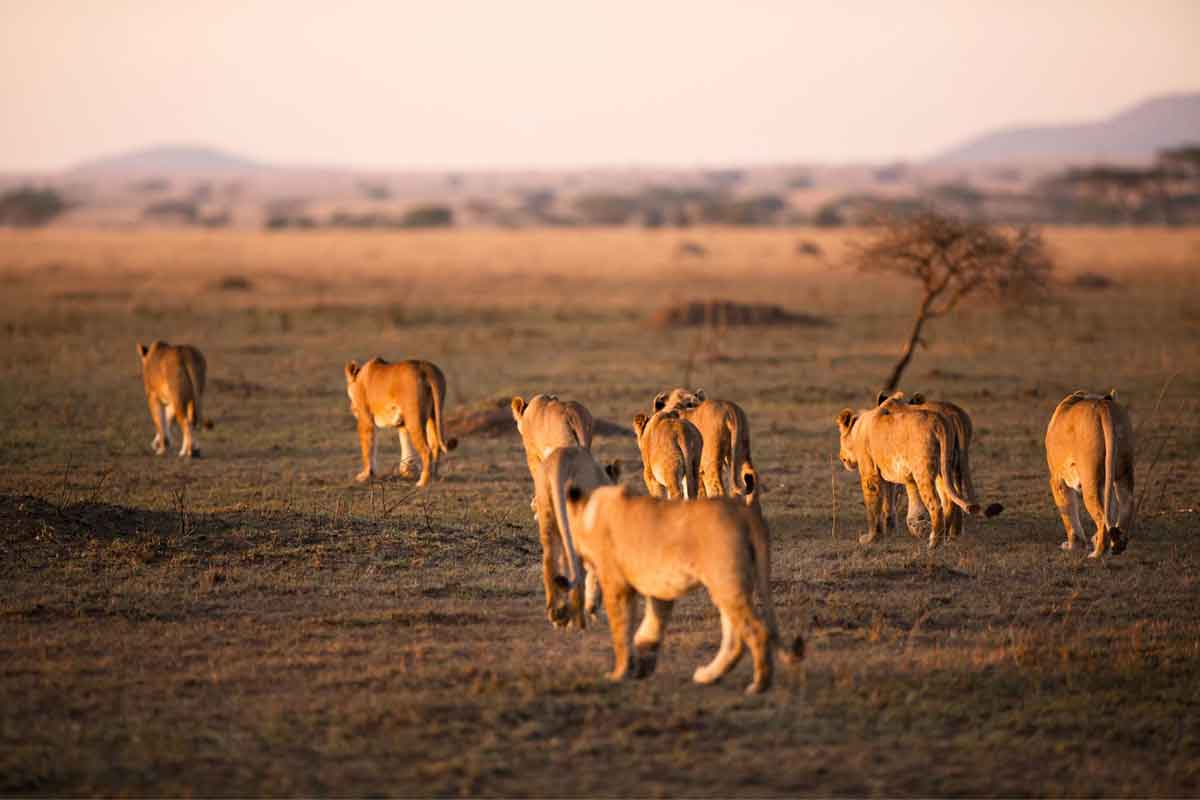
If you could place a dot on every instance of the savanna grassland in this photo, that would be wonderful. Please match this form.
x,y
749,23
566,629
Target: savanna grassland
x,y
255,623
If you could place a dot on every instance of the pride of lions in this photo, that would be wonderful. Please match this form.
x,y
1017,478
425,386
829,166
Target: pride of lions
x,y
703,523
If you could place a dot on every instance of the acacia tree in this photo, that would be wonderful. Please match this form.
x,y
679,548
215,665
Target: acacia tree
x,y
953,259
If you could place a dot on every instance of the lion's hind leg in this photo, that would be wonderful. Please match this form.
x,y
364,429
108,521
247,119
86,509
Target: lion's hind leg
x,y
650,634
728,654
407,468
180,413
674,482
1092,484
933,496
592,598
431,436
162,425
710,473
420,444
1066,500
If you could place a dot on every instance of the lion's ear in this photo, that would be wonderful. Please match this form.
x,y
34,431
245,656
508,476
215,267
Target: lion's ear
x,y
613,470
518,408
351,371
699,394
1112,394
881,398
639,424
750,478
917,399
142,350
845,418
660,401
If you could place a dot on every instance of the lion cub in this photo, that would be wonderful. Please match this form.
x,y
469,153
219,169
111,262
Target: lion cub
x,y
662,550
173,376
670,447
1089,449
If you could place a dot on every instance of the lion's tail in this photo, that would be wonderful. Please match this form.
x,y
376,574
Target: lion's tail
x,y
195,373
444,444
1106,425
558,499
944,434
966,480
760,544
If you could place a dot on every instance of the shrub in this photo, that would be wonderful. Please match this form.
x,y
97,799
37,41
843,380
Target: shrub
x,y
428,216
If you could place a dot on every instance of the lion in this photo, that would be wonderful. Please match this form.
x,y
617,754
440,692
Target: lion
x,y
662,550
1090,452
407,396
964,431
903,446
726,435
173,377
546,424
670,447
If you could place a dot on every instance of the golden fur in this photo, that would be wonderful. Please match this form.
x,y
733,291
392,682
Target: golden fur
x,y
662,550
670,448
725,455
546,424
964,431
1090,452
907,446
407,396
173,377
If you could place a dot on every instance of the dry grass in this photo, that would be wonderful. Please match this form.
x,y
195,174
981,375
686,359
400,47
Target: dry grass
x,y
255,623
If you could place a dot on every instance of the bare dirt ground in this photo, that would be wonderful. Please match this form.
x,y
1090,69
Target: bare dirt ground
x,y
254,623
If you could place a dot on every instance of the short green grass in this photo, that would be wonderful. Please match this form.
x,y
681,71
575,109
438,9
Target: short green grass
x,y
254,623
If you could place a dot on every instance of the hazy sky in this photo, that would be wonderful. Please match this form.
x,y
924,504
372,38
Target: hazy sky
x,y
506,83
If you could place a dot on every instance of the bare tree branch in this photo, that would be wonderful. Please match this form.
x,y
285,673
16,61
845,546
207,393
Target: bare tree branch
x,y
954,259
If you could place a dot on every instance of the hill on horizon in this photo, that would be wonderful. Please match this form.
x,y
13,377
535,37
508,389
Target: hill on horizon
x,y
169,159
1134,134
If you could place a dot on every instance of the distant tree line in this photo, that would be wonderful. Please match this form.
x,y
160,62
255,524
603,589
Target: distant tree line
x,y
421,216
679,207
1167,192
30,207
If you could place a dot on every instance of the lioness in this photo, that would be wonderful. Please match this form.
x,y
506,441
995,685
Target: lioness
x,y
546,424
964,430
910,446
173,377
726,435
670,447
663,550
407,396
1090,450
